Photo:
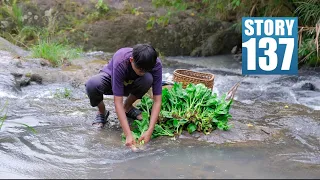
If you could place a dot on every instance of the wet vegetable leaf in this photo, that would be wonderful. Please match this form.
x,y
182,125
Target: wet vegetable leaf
x,y
191,128
194,108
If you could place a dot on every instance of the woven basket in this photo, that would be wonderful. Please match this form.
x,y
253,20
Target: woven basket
x,y
187,76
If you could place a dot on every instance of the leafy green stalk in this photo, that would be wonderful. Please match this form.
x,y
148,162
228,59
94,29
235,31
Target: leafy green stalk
x,y
193,108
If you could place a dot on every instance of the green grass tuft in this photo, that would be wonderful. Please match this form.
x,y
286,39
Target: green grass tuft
x,y
54,52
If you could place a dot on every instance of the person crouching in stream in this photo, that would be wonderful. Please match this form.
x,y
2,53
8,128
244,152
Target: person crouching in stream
x,y
130,73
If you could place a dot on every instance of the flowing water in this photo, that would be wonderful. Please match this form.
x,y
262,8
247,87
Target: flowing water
x,y
66,146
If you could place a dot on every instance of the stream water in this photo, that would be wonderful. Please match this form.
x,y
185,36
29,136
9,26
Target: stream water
x,y
66,146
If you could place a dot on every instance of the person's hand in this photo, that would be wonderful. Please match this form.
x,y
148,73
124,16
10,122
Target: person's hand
x,y
146,136
130,142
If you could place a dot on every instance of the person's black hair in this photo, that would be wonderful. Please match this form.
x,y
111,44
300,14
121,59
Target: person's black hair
x,y
144,56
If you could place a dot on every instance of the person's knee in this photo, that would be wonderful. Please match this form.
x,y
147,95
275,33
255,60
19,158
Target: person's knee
x,y
147,80
92,90
142,85
91,86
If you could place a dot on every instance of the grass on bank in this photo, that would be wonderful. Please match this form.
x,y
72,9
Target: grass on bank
x,y
56,53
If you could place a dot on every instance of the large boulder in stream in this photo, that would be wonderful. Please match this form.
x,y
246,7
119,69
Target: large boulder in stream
x,y
219,43
308,86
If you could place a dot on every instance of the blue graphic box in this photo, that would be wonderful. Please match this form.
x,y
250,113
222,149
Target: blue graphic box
x,y
266,40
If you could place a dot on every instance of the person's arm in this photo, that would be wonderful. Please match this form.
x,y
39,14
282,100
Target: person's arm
x,y
157,94
155,112
156,107
118,101
130,141
157,100
118,93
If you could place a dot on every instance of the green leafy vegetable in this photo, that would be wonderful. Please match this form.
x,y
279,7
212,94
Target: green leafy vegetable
x,y
194,108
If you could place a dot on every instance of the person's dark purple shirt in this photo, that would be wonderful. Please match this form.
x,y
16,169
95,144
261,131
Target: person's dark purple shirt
x,y
121,72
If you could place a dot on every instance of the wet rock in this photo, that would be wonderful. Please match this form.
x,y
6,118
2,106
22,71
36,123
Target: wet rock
x,y
76,83
239,133
15,50
18,64
219,43
94,53
33,83
99,55
17,75
24,81
308,86
237,57
36,78
44,62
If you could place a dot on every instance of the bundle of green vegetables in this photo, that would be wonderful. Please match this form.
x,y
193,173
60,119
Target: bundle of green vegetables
x,y
194,108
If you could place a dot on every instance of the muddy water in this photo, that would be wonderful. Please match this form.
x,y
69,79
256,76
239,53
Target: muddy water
x,y
66,146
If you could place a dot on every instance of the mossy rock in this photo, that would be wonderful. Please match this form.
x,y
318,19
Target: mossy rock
x,y
221,42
